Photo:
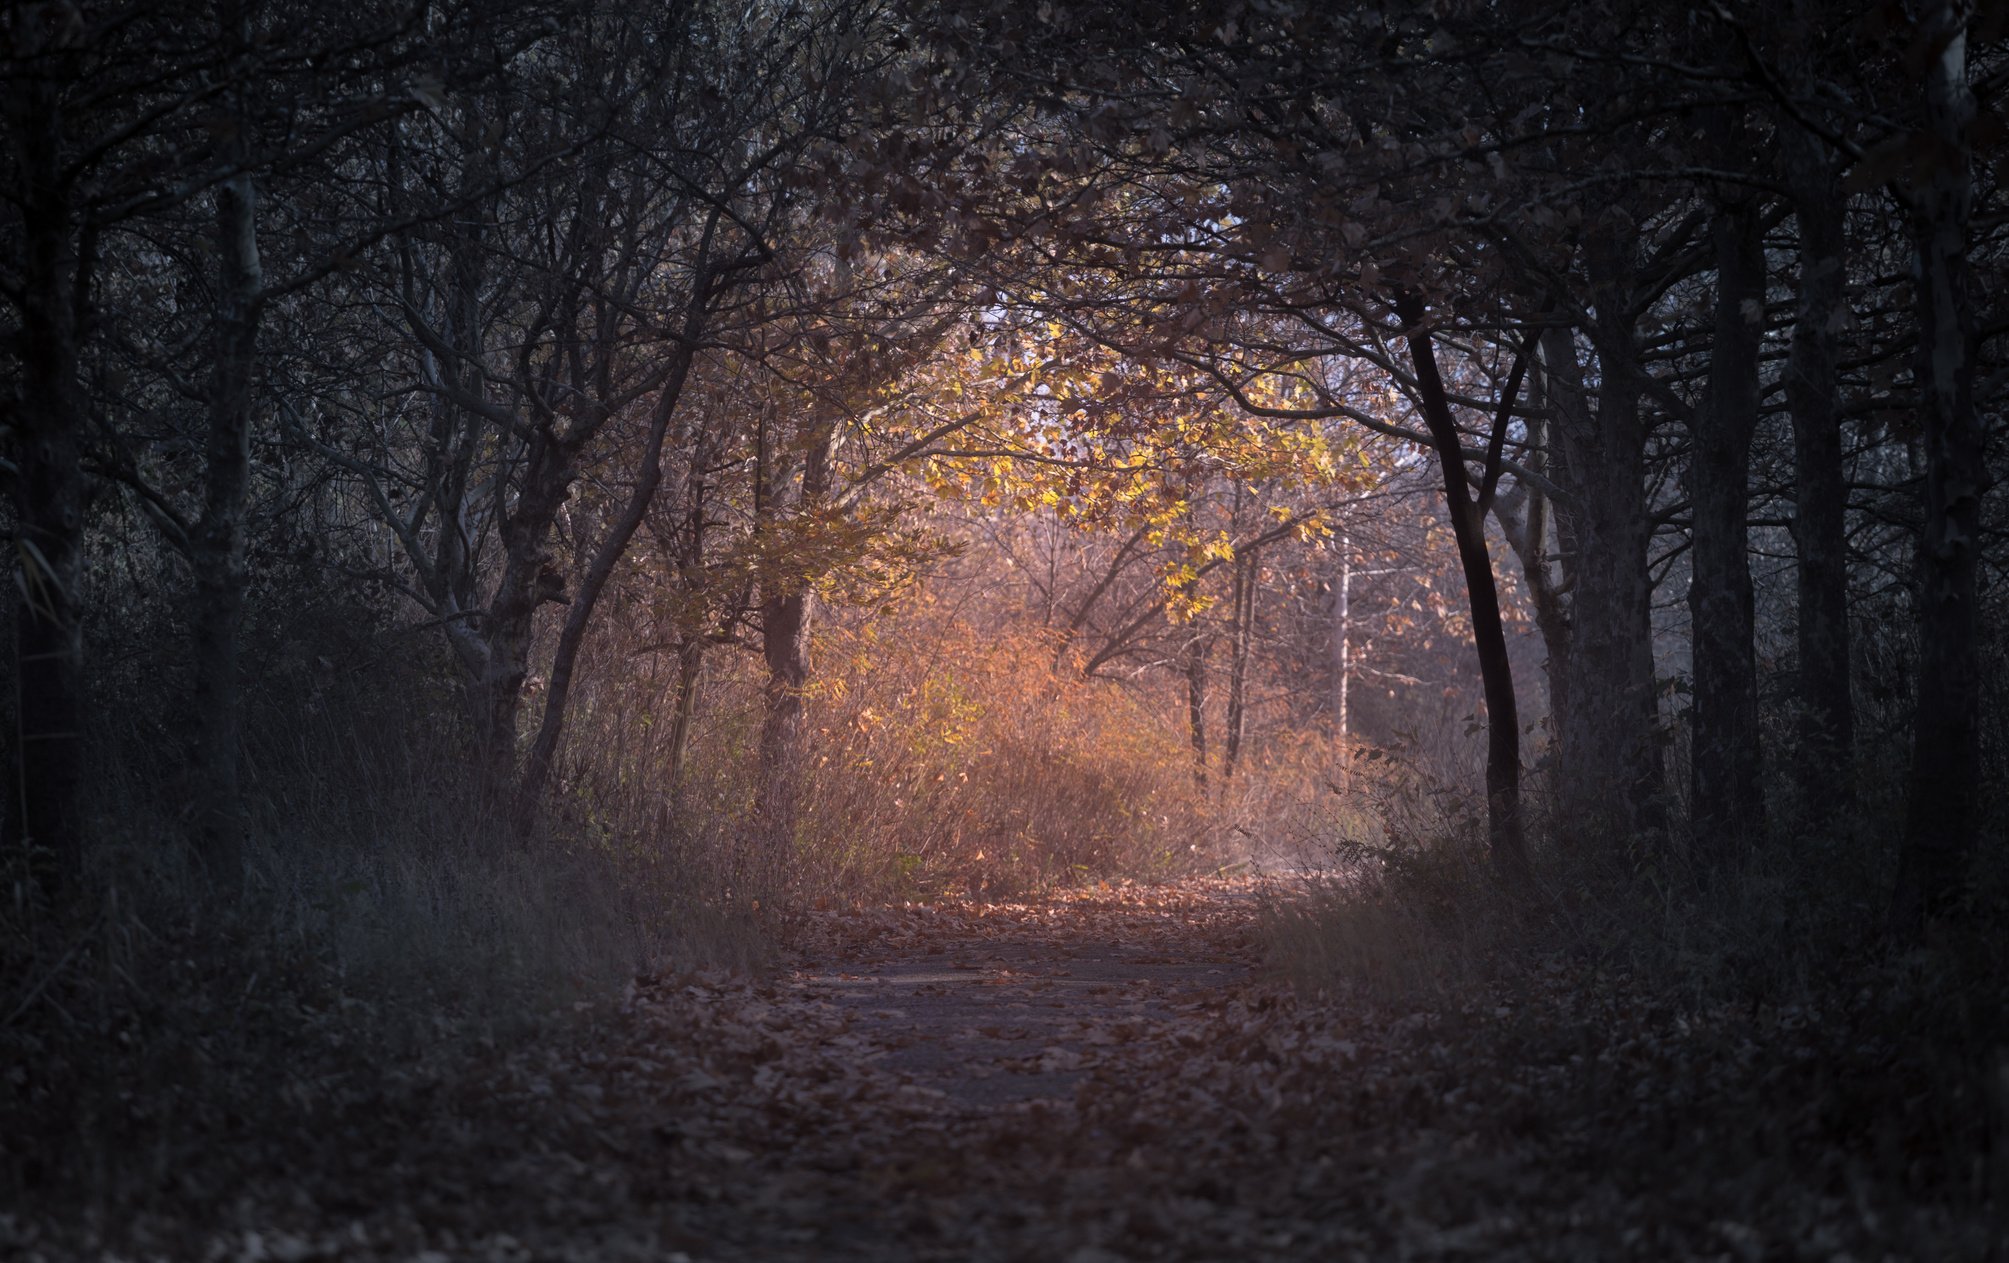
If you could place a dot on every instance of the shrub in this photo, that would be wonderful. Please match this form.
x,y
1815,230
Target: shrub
x,y
157,1027
949,760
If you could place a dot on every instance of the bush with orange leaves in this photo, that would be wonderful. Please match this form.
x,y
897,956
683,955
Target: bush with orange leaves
x,y
945,759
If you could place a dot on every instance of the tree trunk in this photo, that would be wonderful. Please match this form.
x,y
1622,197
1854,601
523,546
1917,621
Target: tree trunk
x,y
1196,705
787,610
48,496
690,669
1504,826
1826,755
216,545
1342,644
1727,803
529,579
785,622
691,642
1523,514
458,433
1246,573
544,748
490,640
1614,781
1943,810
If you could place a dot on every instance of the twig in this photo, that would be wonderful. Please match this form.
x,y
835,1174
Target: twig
x,y
35,992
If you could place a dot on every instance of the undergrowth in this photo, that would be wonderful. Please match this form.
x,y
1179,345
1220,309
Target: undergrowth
x,y
938,760
159,1031
1752,1045
1403,901
955,763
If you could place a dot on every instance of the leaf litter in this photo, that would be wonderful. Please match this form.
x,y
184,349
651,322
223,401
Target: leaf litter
x,y
1102,1076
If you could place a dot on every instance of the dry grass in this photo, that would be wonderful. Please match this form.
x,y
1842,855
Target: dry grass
x,y
940,760
1371,908
1757,1025
951,762
387,922
1404,902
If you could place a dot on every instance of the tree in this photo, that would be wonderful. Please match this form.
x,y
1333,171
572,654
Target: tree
x,y
1727,804
48,287
1943,792
566,260
117,122
1826,746
1505,828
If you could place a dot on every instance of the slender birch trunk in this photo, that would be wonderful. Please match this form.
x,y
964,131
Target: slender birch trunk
x,y
1246,573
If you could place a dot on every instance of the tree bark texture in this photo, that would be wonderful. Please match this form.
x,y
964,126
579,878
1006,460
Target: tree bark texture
x,y
453,579
528,579
216,545
1727,798
1609,712
1523,514
1196,705
1527,535
788,608
1342,644
785,625
690,669
1244,614
691,644
1942,814
1824,762
48,492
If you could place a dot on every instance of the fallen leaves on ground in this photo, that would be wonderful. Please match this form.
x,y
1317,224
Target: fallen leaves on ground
x,y
1103,1076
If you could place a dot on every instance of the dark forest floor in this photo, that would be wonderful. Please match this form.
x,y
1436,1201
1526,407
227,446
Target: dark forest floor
x,y
1107,1075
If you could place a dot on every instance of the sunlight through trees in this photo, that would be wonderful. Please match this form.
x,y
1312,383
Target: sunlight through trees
x,y
607,482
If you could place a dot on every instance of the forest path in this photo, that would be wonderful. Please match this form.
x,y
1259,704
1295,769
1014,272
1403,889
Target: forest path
x,y
1095,1077
1104,1076
1007,1081
1009,1004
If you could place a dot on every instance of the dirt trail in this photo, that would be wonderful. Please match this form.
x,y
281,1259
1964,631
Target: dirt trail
x,y
1086,1079
1002,1087
1083,1079
1011,1004
1104,1077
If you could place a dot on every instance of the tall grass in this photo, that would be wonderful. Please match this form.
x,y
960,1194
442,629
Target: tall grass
x,y
1755,1031
954,761
389,918
937,759
1402,901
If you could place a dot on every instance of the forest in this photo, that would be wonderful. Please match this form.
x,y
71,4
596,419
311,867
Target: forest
x,y
1004,629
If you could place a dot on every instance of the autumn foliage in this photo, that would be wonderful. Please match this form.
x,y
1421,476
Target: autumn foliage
x,y
896,629
950,759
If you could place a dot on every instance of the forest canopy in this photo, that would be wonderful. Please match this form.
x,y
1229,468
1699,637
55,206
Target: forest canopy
x,y
516,332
